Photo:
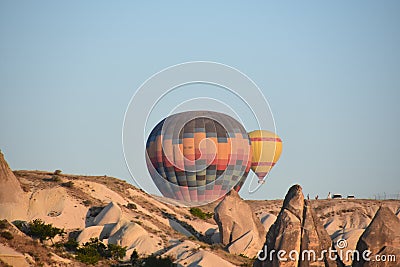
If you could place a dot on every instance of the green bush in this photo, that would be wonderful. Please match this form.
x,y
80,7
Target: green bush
x,y
21,225
55,178
7,235
94,250
115,252
71,245
88,255
57,172
68,184
90,252
151,261
134,258
201,214
38,229
3,224
158,261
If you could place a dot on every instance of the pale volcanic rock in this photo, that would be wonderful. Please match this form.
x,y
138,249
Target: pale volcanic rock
x,y
285,233
351,236
10,188
182,250
314,238
110,214
203,258
13,200
268,220
381,238
133,236
297,229
88,233
240,230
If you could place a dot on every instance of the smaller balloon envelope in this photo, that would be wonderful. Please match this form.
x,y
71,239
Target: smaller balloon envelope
x,y
266,149
198,156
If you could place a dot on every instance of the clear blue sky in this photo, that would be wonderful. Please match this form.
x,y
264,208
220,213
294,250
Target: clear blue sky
x,y
330,70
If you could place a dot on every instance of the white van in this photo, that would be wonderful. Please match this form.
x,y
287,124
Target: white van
x,y
337,196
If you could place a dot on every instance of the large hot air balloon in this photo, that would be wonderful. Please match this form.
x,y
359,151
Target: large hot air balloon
x,y
198,156
266,149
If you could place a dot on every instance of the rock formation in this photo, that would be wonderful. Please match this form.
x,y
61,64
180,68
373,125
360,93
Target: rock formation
x,y
13,200
296,231
111,227
268,220
241,232
51,204
10,189
382,239
111,214
314,238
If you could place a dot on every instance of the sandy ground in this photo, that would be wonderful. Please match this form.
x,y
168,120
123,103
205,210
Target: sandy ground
x,y
12,257
204,258
100,192
57,207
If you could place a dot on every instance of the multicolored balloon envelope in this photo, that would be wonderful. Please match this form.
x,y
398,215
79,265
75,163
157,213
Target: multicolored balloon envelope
x,y
198,156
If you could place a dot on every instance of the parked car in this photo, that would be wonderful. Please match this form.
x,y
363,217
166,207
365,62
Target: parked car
x,y
351,197
337,196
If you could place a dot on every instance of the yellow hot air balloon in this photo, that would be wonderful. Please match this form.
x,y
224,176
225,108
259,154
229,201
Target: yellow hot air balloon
x,y
267,148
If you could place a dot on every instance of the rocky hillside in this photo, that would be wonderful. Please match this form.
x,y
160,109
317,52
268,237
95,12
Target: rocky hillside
x,y
228,233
